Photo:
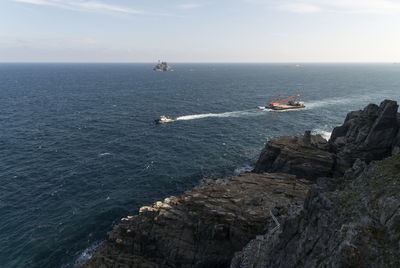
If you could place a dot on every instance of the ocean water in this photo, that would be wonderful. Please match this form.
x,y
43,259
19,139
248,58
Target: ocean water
x,y
79,148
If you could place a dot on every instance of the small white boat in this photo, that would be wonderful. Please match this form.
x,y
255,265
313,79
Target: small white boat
x,y
164,119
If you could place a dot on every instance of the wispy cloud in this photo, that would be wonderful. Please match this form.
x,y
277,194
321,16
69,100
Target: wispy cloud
x,y
339,6
300,7
56,42
91,6
362,6
189,6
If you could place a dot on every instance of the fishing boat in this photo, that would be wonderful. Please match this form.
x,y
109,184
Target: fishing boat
x,y
164,119
285,104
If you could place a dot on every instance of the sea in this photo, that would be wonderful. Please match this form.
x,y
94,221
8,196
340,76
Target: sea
x,y
79,148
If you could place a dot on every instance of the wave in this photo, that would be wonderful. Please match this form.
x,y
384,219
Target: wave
x,y
246,168
323,132
87,253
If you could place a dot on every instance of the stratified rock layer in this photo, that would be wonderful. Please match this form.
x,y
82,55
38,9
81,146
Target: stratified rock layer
x,y
203,227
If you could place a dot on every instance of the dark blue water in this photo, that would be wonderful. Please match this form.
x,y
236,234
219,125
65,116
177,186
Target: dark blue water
x,y
79,149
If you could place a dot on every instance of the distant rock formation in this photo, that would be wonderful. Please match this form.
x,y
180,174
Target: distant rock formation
x,y
162,67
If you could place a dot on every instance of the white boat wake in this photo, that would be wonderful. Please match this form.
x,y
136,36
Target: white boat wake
x,y
252,112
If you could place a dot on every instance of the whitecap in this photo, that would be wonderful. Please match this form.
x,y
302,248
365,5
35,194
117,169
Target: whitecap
x,y
245,168
87,253
324,133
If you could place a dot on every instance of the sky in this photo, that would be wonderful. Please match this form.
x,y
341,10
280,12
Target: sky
x,y
200,31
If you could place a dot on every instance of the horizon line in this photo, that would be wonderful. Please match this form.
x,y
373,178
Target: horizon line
x,y
201,62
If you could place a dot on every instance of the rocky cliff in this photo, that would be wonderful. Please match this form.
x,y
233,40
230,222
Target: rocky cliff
x,y
204,226
355,225
351,216
368,134
273,217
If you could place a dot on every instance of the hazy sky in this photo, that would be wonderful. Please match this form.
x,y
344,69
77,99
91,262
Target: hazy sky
x,y
200,31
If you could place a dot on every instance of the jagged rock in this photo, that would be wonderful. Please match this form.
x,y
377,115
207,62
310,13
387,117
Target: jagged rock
x,y
356,225
305,156
367,134
203,227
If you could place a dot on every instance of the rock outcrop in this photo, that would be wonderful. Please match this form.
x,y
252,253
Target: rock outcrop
x,y
357,225
368,134
305,156
203,227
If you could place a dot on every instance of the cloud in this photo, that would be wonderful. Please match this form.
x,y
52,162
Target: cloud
x,y
83,6
300,7
189,6
362,6
338,6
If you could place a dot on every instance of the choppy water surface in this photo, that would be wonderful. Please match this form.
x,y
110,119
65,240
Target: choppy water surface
x,y
79,148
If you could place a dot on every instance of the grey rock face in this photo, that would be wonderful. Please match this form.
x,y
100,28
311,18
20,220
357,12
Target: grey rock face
x,y
367,134
356,225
